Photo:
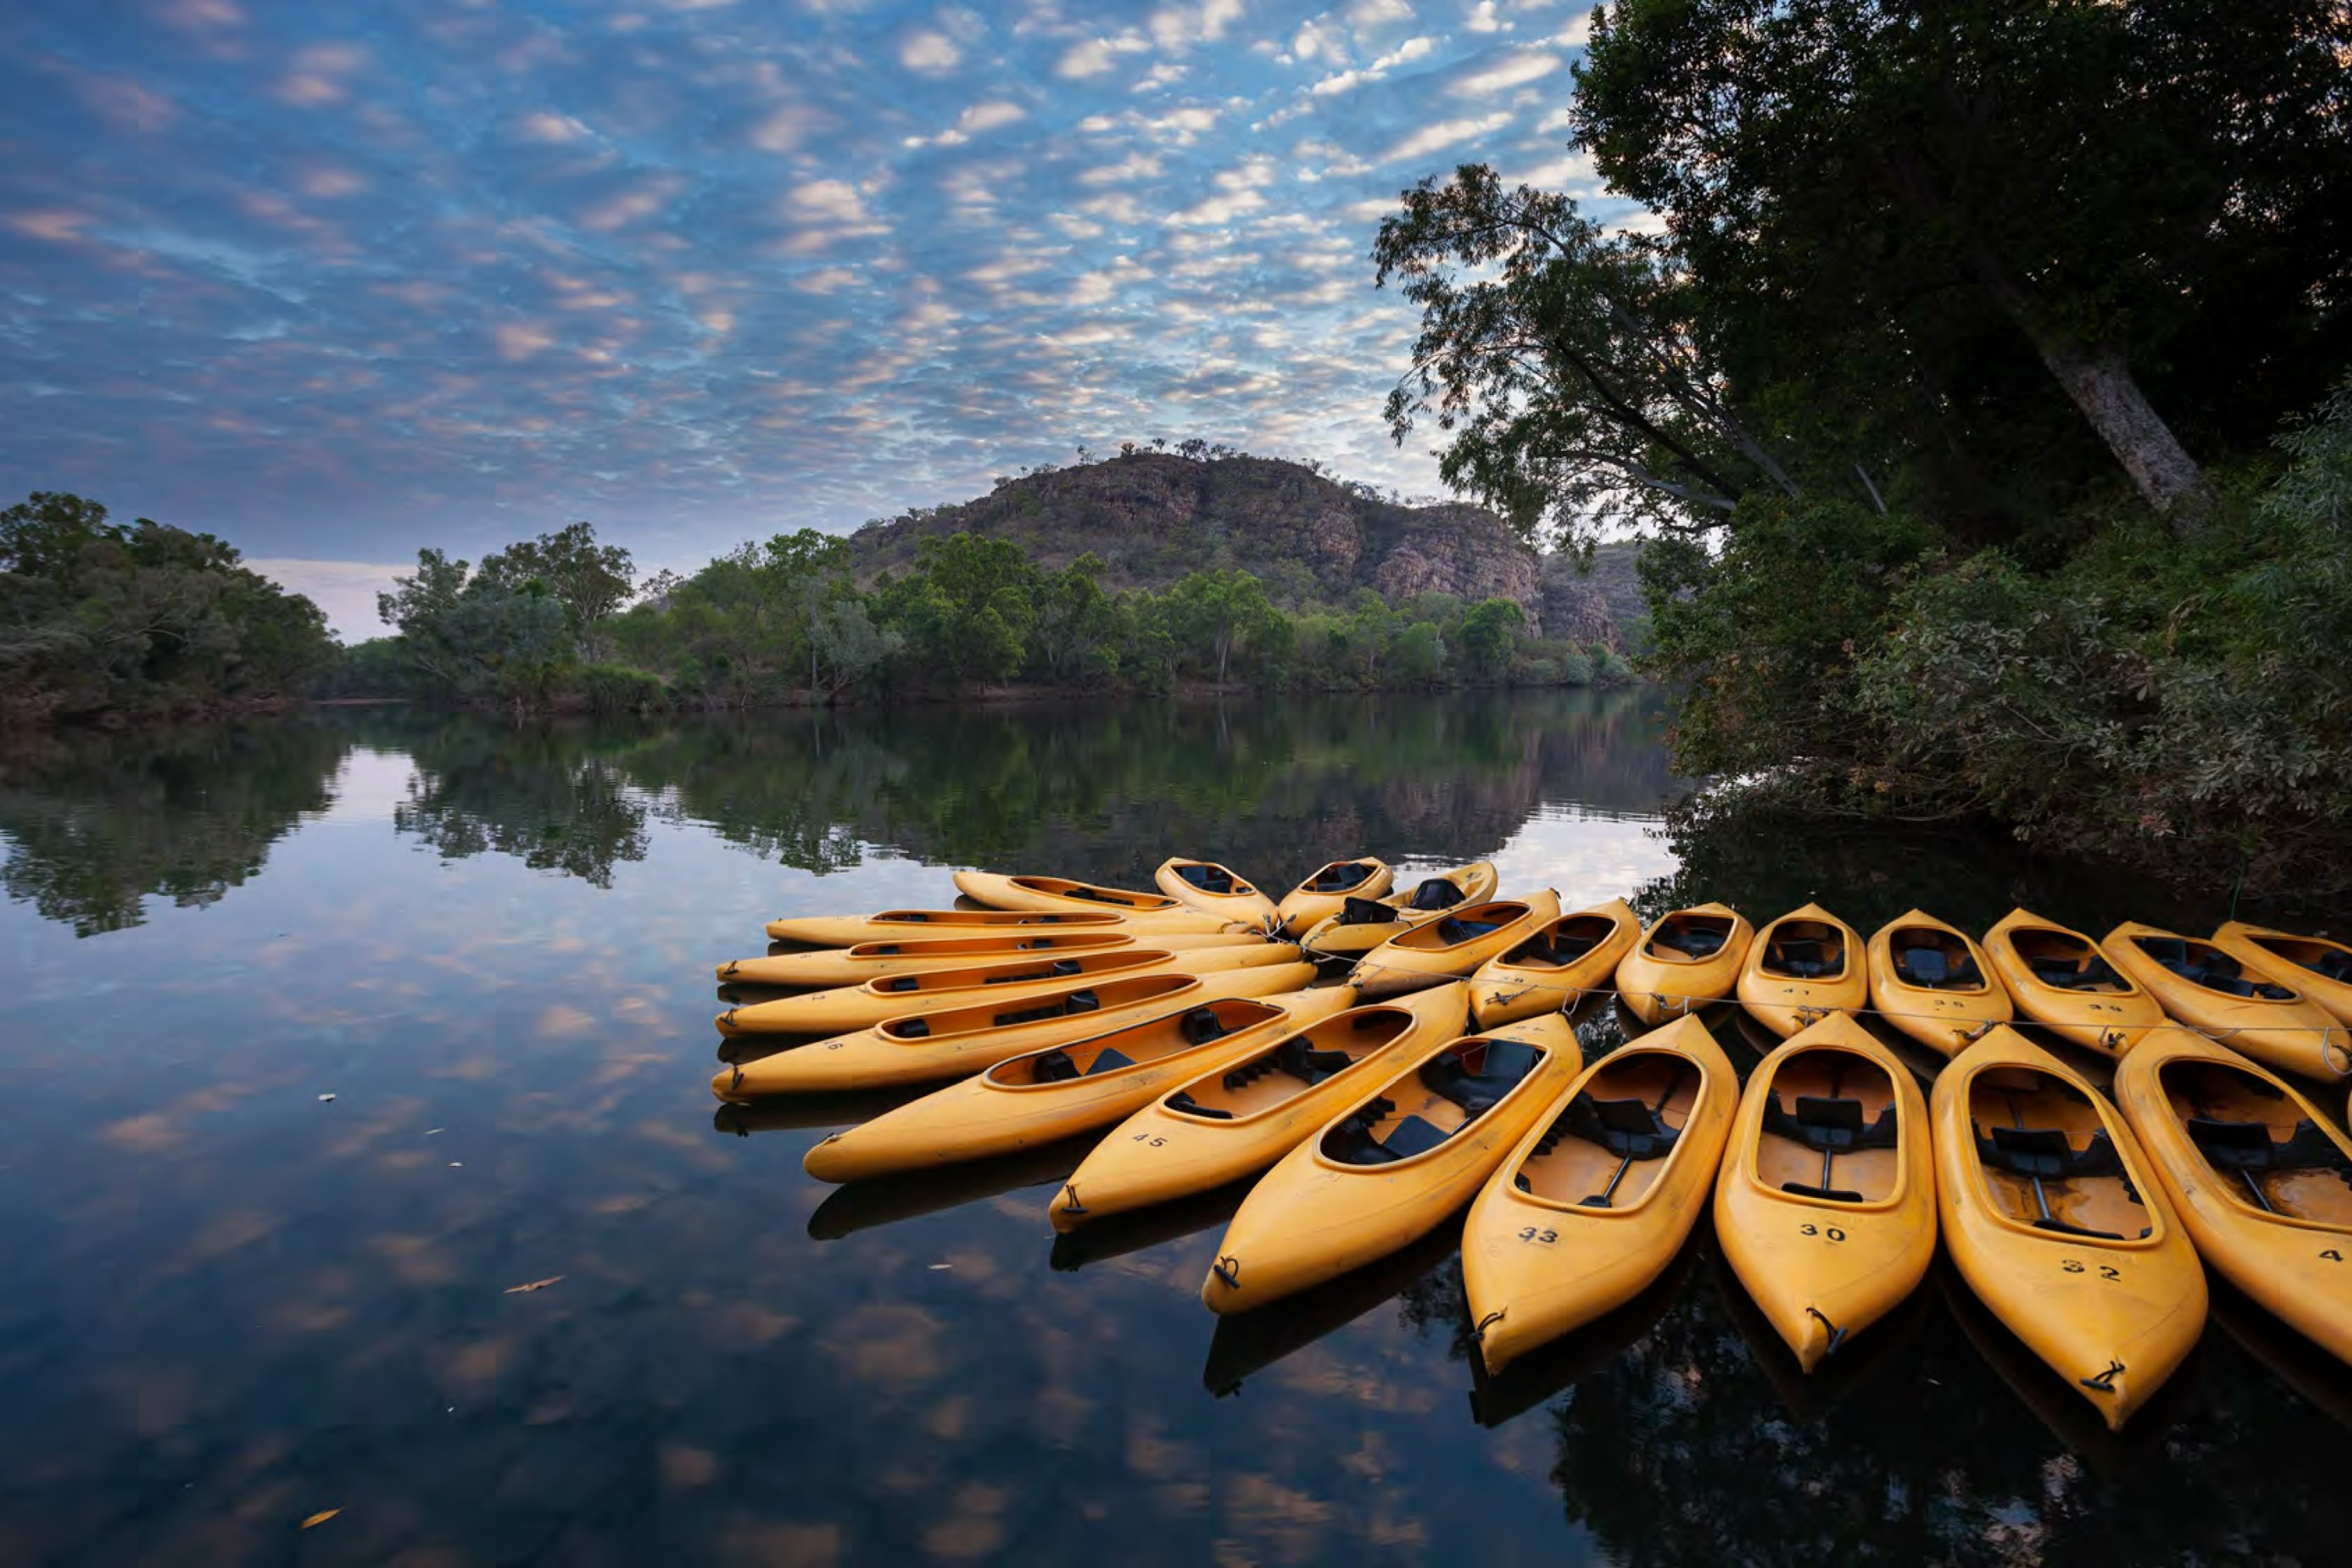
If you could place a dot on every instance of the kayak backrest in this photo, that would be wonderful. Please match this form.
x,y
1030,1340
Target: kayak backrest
x,y
1208,878
1435,893
1366,912
1338,877
1693,936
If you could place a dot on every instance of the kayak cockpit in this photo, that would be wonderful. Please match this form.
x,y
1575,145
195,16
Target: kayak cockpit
x,y
1211,878
1136,1046
1295,1065
1435,893
2065,961
1337,877
2263,1152
1804,949
1688,936
2203,963
1608,1149
1563,941
1832,1129
1933,959
1453,931
2329,960
2048,1159
1464,1082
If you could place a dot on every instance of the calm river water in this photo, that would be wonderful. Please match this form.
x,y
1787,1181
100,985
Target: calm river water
x,y
231,1303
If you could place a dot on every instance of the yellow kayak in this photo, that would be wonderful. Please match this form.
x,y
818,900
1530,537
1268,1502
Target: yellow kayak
x,y
1804,966
1052,895
1362,924
1934,982
2054,1219
1041,1096
1002,984
1325,893
1451,946
874,960
2319,968
2256,1174
1212,889
1688,959
2060,980
1394,1165
1600,1196
891,925
966,1040
1555,966
2209,989
1222,1125
1826,1207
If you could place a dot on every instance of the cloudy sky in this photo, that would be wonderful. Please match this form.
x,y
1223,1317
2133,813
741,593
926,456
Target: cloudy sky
x,y
335,282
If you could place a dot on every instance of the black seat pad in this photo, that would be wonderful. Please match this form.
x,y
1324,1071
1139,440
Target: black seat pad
x,y
1804,959
1339,879
1436,893
1451,930
1309,1065
1366,912
2062,973
1208,878
1201,1026
2248,1146
1628,1128
1829,1125
1179,1100
2044,1152
1505,1063
1699,941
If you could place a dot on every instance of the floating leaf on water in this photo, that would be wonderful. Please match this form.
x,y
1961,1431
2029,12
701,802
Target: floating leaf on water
x,y
324,1098
534,1285
321,1518
430,1130
457,1164
937,1266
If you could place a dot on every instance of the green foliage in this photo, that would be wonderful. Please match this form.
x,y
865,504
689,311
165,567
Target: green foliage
x,y
1490,636
98,617
591,581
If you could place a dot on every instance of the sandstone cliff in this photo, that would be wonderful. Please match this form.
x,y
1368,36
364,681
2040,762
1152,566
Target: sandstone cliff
x,y
1153,517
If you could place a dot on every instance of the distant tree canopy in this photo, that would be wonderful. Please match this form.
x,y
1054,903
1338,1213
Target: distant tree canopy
x,y
100,617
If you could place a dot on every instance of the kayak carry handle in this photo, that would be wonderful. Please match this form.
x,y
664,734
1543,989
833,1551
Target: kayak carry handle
x,y
1228,1270
1837,1335
1070,1193
2105,1382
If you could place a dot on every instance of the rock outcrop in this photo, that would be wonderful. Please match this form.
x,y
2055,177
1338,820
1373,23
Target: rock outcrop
x,y
1153,517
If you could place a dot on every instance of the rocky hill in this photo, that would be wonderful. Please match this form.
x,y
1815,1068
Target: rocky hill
x,y
1153,517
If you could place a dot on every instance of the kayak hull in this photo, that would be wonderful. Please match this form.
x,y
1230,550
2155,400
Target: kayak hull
x,y
1242,901
2114,1315
1307,906
1335,938
1009,1107
2293,960
2290,1032
2294,1263
1823,1269
1537,1264
1425,956
1506,988
1946,1017
2106,1019
941,1046
874,960
915,925
1658,981
1784,1001
1162,1152
1050,895
1313,1217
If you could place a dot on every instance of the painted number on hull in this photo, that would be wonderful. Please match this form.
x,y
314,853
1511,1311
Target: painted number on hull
x,y
2106,1270
2333,1256
1149,1142
1545,1236
1834,1233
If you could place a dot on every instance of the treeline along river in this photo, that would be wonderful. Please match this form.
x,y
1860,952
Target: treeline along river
x,y
235,1304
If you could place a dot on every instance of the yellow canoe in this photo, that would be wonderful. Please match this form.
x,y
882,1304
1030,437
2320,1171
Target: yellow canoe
x,y
1002,984
1362,924
1553,969
1051,895
1451,946
876,960
1222,1125
2209,989
1327,891
1212,889
1826,1207
1801,967
2055,1220
1600,1194
966,1040
1688,959
1934,982
891,925
1041,1096
2256,1174
2319,968
1394,1165
2058,978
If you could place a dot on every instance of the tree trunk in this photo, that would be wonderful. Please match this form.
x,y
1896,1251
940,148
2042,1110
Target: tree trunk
x,y
2100,381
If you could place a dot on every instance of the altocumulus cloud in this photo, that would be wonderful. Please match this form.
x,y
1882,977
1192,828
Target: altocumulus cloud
x,y
337,282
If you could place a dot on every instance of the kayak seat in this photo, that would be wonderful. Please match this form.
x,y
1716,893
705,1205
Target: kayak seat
x,y
1436,893
1201,1026
1451,930
1805,960
887,949
1506,1062
2335,965
1698,942
1831,1125
1366,912
1208,878
904,983
1932,968
2046,1152
1305,1063
2248,1146
1053,1067
1628,1128
1075,1002
1352,1143
1179,1100
912,1029
2066,975
1339,879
